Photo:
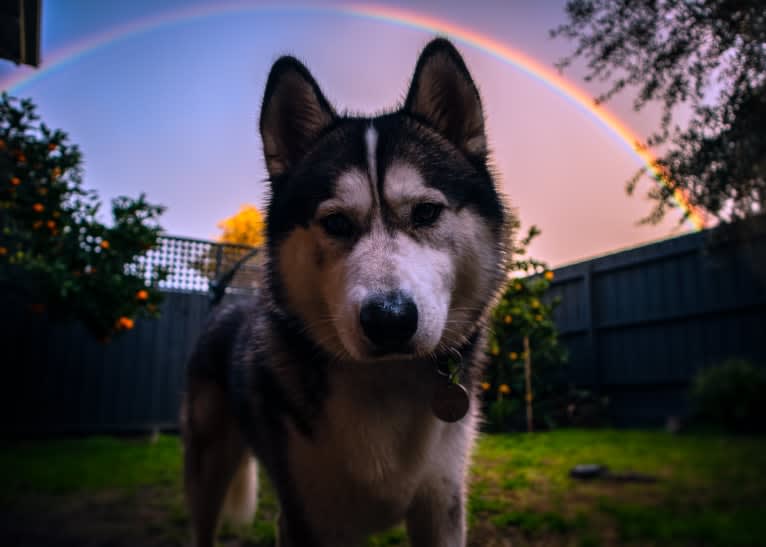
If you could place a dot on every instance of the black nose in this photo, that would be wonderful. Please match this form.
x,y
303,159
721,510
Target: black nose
x,y
389,319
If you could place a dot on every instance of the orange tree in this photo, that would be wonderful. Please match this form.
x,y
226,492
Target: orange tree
x,y
523,311
53,248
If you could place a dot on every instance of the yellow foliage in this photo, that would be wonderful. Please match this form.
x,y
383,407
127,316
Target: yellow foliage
x,y
244,228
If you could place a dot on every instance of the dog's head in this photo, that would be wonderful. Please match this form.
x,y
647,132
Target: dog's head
x,y
385,234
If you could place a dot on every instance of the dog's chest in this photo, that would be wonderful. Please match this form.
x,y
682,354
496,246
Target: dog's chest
x,y
370,449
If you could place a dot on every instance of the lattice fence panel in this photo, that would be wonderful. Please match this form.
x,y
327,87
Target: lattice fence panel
x,y
191,264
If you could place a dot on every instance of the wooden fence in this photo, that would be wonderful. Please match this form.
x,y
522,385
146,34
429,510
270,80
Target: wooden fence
x,y
640,323
65,381
56,378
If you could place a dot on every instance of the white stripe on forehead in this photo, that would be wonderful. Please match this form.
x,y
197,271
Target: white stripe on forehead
x,y
371,142
371,145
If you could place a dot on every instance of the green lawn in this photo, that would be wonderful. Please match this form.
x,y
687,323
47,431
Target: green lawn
x,y
711,490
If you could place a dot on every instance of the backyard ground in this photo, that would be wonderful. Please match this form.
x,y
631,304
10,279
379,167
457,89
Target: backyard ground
x,y
709,490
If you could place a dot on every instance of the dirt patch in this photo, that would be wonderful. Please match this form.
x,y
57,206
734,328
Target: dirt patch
x,y
107,519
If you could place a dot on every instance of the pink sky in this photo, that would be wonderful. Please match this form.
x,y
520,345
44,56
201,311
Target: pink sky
x,y
171,112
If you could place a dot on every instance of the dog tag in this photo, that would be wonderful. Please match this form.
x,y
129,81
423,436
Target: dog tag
x,y
450,402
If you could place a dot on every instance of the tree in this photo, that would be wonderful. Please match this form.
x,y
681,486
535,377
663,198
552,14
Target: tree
x,y
240,233
53,249
244,228
522,330
704,57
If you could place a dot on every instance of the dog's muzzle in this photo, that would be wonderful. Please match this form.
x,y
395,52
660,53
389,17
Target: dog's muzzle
x,y
389,320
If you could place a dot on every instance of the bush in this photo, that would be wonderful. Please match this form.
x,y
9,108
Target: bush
x,y
523,311
732,396
243,231
54,250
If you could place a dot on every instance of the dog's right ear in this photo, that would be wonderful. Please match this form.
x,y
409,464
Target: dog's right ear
x,y
293,114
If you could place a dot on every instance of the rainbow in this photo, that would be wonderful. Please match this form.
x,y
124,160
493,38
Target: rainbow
x,y
393,15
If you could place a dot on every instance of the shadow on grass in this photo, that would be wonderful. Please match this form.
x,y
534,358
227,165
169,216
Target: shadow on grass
x,y
711,491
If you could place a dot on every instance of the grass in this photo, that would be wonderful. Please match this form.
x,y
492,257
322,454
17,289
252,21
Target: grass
x,y
710,490
98,463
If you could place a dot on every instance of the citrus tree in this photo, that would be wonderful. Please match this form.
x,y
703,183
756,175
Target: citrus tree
x,y
525,354
54,250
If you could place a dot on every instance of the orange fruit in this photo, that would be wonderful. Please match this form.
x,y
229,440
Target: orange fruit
x,y
125,323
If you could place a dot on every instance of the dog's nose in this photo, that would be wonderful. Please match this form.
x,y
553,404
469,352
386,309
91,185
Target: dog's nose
x,y
389,319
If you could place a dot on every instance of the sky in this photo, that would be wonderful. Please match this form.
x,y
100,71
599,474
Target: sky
x,y
169,108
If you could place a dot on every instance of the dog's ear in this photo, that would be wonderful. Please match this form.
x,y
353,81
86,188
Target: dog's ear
x,y
443,95
293,114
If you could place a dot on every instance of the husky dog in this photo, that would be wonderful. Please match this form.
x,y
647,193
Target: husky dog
x,y
353,376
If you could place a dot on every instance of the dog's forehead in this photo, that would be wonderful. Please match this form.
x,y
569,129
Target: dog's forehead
x,y
398,181
404,184
354,189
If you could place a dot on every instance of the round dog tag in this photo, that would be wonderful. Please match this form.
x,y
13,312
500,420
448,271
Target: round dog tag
x,y
450,402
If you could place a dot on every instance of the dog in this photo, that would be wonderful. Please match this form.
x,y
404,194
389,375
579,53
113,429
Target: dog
x,y
353,375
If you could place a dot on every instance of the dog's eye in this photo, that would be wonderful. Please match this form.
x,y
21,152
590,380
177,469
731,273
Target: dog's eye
x,y
337,225
425,214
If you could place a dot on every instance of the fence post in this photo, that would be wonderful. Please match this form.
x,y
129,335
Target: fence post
x,y
590,320
218,260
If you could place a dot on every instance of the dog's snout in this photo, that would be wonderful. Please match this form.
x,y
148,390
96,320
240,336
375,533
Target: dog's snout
x,y
389,320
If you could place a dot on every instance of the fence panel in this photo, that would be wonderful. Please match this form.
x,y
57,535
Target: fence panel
x,y
640,323
57,378
77,384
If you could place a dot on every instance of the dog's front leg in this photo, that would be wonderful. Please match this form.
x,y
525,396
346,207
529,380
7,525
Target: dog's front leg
x,y
436,517
290,535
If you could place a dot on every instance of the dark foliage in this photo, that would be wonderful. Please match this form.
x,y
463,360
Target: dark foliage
x,y
55,253
707,56
731,396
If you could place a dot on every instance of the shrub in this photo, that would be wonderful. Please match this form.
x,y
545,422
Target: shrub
x,y
731,396
53,248
244,230
523,311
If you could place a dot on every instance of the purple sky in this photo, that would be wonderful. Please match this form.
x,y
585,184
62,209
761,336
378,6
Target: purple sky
x,y
172,112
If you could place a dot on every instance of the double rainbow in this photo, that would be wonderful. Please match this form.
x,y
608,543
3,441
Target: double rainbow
x,y
392,15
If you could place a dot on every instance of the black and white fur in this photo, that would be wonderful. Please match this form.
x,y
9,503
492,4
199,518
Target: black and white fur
x,y
397,213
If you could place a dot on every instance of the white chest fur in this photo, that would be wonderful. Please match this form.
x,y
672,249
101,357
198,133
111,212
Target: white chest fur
x,y
374,445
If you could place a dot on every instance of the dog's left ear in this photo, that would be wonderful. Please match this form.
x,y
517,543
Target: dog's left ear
x,y
443,95
293,115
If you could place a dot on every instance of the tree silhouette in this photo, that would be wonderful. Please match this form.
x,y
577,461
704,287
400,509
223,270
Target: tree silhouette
x,y
707,56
